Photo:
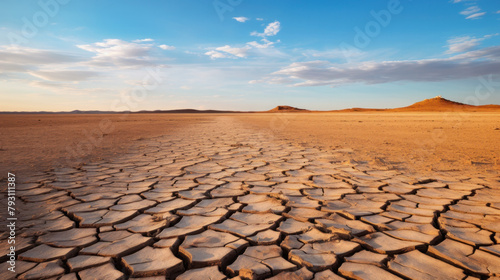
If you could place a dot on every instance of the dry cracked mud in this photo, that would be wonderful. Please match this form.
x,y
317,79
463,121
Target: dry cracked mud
x,y
223,201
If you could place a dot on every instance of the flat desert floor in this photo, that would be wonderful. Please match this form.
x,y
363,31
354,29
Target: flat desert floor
x,y
422,142
415,142
252,196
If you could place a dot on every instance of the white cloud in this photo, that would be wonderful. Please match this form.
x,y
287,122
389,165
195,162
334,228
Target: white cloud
x,y
274,81
265,48
476,15
215,54
64,76
271,30
60,72
29,56
239,52
465,43
265,45
491,35
32,61
259,19
143,40
253,47
117,47
12,67
166,47
316,73
119,53
335,53
56,87
462,44
228,52
472,12
240,19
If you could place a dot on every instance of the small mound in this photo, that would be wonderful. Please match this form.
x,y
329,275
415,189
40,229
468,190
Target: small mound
x,y
439,103
285,108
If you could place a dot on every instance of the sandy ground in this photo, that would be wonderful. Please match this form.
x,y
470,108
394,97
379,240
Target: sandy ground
x,y
417,142
420,142
219,199
39,142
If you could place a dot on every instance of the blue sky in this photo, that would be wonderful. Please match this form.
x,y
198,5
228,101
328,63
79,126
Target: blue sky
x,y
59,55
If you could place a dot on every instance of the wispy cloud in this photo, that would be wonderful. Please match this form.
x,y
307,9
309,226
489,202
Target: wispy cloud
x,y
52,86
254,47
251,48
119,53
64,76
215,54
30,56
463,66
143,40
476,15
462,44
465,43
6,67
166,47
239,52
59,72
22,60
240,19
472,12
228,51
336,53
266,44
271,30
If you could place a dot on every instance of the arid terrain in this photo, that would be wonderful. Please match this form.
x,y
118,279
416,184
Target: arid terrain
x,y
284,195
419,142
220,199
35,142
422,142
250,140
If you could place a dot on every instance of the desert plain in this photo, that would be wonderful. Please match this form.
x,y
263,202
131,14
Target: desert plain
x,y
276,195
421,142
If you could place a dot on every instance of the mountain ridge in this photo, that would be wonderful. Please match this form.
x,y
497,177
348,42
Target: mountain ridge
x,y
436,104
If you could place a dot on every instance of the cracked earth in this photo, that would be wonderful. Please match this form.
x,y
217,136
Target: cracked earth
x,y
223,201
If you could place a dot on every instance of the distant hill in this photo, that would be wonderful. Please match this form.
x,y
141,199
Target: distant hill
x,y
285,109
359,110
440,104
185,111
436,104
177,111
